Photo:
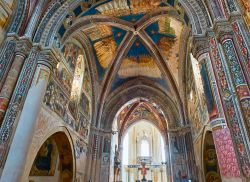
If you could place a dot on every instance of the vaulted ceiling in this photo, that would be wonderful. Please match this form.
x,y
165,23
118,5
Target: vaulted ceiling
x,y
137,110
131,39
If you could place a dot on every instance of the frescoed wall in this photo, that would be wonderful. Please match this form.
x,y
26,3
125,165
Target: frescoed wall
x,y
46,159
6,10
246,6
211,166
54,161
69,90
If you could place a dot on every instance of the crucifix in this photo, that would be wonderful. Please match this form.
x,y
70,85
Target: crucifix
x,y
143,170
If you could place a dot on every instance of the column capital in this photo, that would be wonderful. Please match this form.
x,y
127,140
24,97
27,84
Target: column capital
x,y
49,58
200,46
223,30
23,46
218,123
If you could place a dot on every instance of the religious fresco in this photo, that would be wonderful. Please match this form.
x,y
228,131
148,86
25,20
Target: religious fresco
x,y
178,158
58,101
246,6
211,166
104,44
64,77
46,160
211,105
55,98
83,126
85,104
86,85
165,33
6,8
138,110
193,103
71,52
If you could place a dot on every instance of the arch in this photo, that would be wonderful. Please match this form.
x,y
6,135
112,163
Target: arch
x,y
140,90
164,135
91,66
61,139
161,140
21,6
210,161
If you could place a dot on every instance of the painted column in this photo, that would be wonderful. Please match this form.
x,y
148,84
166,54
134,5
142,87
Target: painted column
x,y
226,155
34,19
6,57
238,77
17,156
16,103
230,106
242,37
22,49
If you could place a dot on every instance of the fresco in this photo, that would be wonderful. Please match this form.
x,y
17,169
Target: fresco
x,y
125,7
178,159
246,5
211,106
85,104
55,98
64,77
86,86
83,128
46,160
210,160
105,39
71,52
104,45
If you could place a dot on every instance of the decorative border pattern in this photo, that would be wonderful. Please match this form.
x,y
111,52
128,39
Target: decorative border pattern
x,y
17,101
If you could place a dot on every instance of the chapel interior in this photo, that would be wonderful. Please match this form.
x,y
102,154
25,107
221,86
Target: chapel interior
x,y
124,91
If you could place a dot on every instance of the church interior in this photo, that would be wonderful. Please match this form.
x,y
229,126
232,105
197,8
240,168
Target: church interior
x,y
124,91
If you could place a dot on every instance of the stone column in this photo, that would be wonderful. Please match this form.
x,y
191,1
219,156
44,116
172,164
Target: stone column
x,y
17,156
22,50
230,105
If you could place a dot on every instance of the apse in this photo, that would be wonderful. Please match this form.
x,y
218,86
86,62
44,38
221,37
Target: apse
x,y
143,143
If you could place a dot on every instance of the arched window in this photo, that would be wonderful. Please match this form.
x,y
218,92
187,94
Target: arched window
x,y
145,152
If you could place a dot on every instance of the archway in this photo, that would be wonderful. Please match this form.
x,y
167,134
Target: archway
x,y
54,160
128,112
210,162
143,142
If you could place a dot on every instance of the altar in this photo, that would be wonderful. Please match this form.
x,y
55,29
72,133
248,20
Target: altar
x,y
145,172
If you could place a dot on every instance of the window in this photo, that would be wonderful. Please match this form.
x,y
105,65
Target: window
x,y
144,148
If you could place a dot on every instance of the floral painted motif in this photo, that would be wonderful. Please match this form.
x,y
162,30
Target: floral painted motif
x,y
232,114
225,153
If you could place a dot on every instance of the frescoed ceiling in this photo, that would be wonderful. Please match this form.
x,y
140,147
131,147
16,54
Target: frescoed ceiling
x,y
140,110
110,22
